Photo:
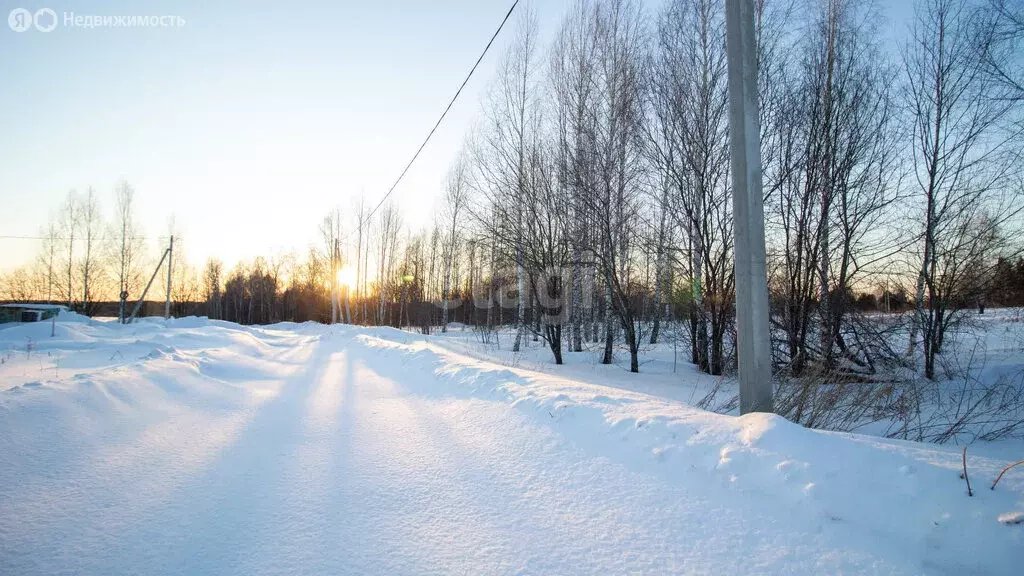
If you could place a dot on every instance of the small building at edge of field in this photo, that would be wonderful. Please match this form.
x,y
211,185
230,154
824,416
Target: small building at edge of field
x,y
29,312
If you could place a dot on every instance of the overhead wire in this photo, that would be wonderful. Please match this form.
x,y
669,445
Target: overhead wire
x,y
443,114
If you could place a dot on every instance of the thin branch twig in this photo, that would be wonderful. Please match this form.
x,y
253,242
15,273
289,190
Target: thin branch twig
x,y
969,493
1019,462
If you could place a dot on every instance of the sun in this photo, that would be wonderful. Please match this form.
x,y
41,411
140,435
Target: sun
x,y
346,277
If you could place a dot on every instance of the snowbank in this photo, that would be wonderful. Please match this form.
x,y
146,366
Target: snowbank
x,y
903,498
192,444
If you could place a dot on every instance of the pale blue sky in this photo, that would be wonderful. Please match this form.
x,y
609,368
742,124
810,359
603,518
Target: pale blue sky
x,y
249,122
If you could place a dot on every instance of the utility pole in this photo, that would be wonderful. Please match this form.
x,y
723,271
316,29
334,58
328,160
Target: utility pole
x,y
124,284
753,340
156,271
334,281
49,285
170,260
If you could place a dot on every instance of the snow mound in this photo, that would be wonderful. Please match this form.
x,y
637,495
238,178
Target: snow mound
x,y
1012,518
848,484
192,445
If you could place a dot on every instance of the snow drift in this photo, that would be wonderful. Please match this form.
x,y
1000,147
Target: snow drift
x,y
200,446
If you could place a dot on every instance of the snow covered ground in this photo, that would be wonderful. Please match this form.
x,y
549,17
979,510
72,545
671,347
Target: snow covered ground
x,y
201,447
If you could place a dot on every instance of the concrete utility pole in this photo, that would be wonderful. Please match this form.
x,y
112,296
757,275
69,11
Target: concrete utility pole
x,y
753,337
156,272
170,260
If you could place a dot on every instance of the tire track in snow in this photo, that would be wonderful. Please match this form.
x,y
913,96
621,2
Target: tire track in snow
x,y
214,522
116,482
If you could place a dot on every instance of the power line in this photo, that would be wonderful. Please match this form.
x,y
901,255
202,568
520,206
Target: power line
x,y
407,166
445,113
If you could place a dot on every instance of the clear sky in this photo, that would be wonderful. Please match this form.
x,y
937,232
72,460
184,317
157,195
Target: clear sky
x,y
248,123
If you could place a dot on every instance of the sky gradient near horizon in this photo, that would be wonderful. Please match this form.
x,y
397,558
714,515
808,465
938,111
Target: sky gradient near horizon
x,y
250,122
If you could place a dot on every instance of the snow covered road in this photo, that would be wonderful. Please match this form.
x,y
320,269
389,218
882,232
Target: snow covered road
x,y
208,448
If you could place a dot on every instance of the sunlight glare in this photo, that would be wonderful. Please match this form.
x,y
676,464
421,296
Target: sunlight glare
x,y
346,277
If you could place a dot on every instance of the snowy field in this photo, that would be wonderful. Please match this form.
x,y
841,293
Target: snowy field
x,y
201,447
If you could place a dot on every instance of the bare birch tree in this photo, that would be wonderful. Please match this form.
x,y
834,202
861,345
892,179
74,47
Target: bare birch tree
x,y
454,202
501,154
70,221
961,158
91,231
125,246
